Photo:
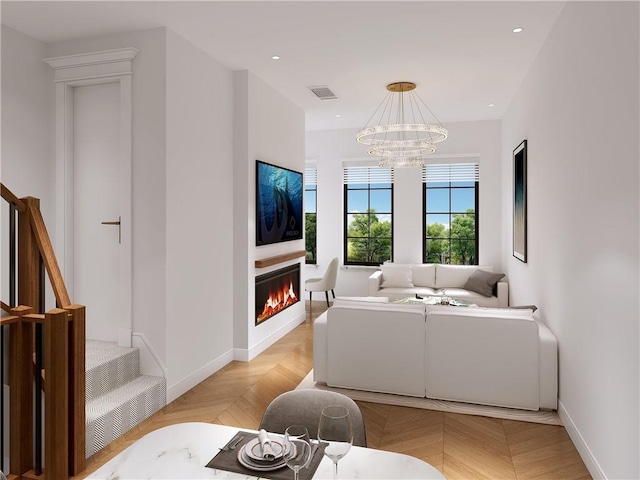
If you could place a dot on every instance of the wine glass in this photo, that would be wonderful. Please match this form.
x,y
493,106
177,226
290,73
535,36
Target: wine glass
x,y
335,434
297,448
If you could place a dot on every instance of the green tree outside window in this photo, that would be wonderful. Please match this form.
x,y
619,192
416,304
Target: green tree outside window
x,y
368,239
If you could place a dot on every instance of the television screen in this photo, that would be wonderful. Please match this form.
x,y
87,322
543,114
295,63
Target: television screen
x,y
278,204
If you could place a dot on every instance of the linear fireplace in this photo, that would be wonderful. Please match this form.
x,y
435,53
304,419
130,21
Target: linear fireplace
x,y
276,291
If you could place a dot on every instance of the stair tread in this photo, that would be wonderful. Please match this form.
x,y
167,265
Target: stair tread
x,y
98,352
120,395
117,411
108,367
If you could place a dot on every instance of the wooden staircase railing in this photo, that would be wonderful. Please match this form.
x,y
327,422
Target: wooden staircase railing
x,y
58,339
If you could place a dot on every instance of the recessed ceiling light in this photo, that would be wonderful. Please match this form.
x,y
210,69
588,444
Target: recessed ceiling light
x,y
337,115
517,30
275,57
492,105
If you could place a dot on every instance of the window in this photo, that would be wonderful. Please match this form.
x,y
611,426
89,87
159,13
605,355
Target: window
x,y
368,215
450,213
310,213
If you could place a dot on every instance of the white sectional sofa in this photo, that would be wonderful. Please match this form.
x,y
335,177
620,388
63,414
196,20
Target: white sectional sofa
x,y
491,356
397,281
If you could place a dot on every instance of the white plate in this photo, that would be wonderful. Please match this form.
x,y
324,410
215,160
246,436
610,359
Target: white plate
x,y
247,462
254,449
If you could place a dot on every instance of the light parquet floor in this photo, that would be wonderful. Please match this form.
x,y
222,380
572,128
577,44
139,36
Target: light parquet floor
x,y
460,446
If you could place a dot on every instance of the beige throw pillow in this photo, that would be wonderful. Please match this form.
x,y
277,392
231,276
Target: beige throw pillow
x,y
483,282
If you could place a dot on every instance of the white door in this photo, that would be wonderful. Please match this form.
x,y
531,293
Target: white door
x,y
96,173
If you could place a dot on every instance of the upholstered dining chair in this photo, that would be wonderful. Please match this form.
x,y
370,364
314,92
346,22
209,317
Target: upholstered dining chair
x,y
304,407
324,284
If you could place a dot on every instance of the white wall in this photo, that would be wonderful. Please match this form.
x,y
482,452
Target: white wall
x,y
27,139
242,241
148,173
27,166
329,148
199,216
578,109
270,128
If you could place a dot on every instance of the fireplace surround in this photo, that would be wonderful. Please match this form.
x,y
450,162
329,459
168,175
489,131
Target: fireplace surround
x,y
276,291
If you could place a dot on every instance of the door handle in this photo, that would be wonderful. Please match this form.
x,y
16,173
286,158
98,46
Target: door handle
x,y
119,228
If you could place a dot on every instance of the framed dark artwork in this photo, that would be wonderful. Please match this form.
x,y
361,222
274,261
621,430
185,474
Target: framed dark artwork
x,y
520,202
279,193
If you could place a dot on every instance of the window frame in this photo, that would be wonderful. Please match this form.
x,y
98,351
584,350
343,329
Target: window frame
x,y
369,187
451,213
314,188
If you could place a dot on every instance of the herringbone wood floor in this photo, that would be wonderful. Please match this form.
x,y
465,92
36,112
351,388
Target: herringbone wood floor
x,y
460,446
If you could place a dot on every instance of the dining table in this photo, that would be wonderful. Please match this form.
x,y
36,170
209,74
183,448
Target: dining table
x,y
183,450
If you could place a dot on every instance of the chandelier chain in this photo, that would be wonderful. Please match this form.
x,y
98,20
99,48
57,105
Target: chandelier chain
x,y
427,107
376,111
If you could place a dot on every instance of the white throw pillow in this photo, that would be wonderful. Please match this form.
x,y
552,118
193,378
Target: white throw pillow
x,y
424,275
396,276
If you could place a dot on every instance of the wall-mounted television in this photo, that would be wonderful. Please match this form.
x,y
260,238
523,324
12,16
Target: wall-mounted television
x,y
279,212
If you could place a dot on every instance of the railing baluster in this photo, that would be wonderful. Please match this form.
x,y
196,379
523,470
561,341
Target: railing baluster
x,y
38,378
12,303
38,401
2,468
56,410
41,297
77,389
12,256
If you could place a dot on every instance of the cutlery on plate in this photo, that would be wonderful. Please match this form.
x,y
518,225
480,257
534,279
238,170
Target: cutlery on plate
x,y
233,443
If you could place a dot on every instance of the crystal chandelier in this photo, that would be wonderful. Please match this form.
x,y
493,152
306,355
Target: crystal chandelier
x,y
403,143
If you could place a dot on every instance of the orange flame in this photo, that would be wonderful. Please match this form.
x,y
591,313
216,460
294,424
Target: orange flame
x,y
278,301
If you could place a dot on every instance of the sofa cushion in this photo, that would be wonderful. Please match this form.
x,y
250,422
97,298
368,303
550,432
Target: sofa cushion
x,y
483,282
388,308
396,293
514,313
471,297
455,275
424,275
397,276
359,300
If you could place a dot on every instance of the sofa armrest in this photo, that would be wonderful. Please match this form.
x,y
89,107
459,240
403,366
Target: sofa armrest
x,y
502,293
375,280
320,348
548,367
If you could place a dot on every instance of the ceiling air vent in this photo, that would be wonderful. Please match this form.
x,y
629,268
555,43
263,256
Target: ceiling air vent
x,y
323,93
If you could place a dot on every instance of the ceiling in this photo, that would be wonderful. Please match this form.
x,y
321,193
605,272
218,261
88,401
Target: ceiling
x,y
463,56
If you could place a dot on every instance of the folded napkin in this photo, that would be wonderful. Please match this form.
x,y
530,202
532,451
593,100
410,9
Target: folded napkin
x,y
265,443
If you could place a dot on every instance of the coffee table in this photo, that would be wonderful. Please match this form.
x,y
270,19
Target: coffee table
x,y
434,300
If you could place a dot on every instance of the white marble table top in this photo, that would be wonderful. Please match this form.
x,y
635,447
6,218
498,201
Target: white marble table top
x,y
183,450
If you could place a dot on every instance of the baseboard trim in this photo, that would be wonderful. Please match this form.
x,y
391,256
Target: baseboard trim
x,y
246,355
583,449
190,381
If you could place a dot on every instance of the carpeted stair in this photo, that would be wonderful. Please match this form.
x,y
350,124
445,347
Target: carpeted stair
x,y
117,396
